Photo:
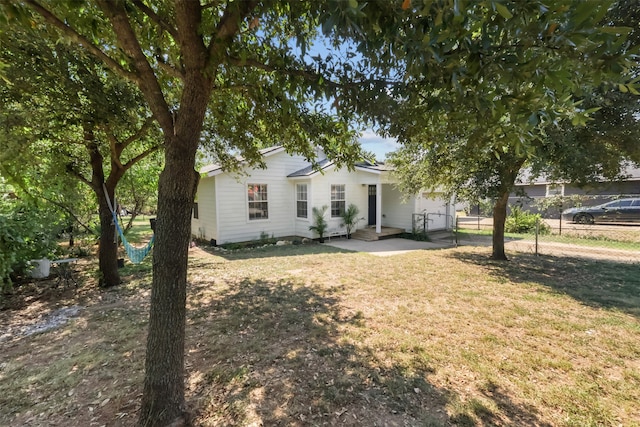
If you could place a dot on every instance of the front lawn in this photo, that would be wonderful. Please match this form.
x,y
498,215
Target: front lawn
x,y
311,335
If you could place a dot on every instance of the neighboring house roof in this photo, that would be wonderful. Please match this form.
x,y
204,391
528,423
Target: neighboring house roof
x,y
212,170
632,174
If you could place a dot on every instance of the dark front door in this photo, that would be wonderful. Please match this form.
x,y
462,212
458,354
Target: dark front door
x,y
372,205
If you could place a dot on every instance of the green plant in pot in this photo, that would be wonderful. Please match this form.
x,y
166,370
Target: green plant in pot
x,y
319,223
350,218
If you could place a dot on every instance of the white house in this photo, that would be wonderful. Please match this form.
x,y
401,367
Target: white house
x,y
278,199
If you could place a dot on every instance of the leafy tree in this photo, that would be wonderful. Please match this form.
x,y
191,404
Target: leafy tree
x,y
483,84
138,190
70,118
28,230
584,154
230,61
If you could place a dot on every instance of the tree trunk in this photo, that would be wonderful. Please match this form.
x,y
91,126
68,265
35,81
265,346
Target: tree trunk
x,y
108,254
108,249
163,394
499,218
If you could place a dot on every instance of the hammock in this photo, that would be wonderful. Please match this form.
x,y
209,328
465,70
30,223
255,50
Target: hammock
x,y
136,255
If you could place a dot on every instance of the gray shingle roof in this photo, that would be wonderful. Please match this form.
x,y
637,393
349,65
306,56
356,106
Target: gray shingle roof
x,y
377,166
310,170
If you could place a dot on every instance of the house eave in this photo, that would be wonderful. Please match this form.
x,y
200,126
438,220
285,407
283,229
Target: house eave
x,y
213,170
373,171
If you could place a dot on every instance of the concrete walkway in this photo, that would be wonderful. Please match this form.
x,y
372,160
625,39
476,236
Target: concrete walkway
x,y
386,247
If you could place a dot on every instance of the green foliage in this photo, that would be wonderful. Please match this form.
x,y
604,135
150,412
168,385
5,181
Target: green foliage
x,y
319,221
485,85
520,221
26,232
417,236
350,218
265,239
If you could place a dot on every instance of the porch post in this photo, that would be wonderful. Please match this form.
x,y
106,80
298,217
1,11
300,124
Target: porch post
x,y
378,208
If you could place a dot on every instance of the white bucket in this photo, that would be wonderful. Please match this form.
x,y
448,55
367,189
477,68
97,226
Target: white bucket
x,y
41,268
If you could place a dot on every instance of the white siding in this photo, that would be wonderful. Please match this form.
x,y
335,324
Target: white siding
x,y
395,211
205,226
233,217
355,193
301,225
437,208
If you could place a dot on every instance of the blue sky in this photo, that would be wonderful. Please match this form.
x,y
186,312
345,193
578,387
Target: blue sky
x,y
369,140
380,146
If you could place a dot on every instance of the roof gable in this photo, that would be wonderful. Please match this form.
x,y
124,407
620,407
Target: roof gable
x,y
214,169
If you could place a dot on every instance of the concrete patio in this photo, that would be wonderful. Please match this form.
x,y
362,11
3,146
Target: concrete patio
x,y
386,247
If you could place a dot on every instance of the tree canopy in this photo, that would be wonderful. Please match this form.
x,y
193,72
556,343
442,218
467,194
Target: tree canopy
x,y
484,85
70,120
231,61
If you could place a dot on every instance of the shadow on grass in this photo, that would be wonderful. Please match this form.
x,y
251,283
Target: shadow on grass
x,y
275,353
273,251
602,284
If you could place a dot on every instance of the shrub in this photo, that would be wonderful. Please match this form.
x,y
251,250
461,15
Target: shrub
x,y
26,233
320,224
350,218
520,221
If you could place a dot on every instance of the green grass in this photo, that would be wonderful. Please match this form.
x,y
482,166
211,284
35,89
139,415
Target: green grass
x,y
140,231
311,335
589,240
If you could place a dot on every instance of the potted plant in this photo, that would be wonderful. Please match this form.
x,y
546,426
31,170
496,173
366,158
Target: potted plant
x,y
320,224
350,218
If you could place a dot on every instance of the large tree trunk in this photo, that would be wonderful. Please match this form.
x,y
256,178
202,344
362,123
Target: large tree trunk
x,y
163,397
510,166
108,249
108,255
499,218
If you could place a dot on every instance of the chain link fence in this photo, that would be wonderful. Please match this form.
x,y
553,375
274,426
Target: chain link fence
x,y
552,236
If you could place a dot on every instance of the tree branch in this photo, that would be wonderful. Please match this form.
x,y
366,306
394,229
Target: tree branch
x,y
81,40
139,133
24,188
306,74
169,69
156,18
140,156
69,211
227,28
146,78
115,147
78,175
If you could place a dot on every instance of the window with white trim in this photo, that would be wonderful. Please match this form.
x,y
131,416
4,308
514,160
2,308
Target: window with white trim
x,y
338,200
302,210
555,190
258,203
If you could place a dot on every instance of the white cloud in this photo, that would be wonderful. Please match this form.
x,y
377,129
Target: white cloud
x,y
377,144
